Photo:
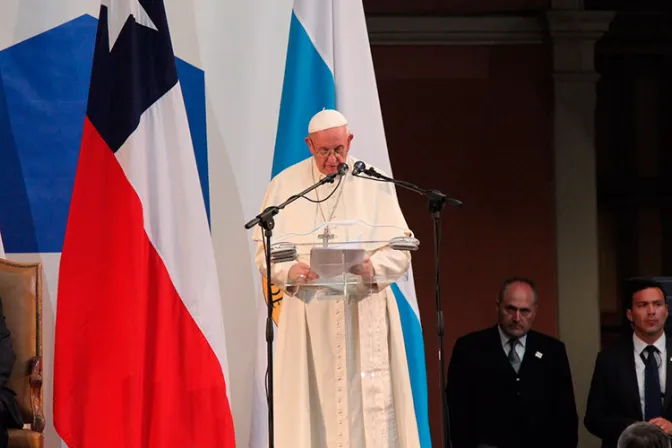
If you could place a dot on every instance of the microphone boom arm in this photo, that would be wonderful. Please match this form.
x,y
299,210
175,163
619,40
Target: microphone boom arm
x,y
273,210
435,197
436,202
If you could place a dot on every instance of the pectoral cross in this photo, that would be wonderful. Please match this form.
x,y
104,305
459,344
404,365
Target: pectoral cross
x,y
326,236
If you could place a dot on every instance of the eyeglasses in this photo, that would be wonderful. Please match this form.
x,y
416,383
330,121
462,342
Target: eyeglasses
x,y
327,152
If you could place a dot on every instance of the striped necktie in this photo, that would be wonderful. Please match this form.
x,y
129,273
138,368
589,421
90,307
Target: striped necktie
x,y
514,359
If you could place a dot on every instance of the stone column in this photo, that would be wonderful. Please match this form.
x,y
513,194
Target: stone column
x,y
573,34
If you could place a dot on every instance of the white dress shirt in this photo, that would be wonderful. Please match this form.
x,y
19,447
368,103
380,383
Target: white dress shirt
x,y
661,358
520,347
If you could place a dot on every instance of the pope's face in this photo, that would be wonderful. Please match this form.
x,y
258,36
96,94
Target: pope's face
x,y
329,148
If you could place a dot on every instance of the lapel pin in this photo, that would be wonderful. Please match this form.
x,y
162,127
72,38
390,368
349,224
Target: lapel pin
x,y
539,355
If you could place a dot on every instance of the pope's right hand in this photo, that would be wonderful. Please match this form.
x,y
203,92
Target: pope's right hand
x,y
301,273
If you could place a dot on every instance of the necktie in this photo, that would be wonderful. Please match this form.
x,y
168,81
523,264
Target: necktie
x,y
514,359
652,396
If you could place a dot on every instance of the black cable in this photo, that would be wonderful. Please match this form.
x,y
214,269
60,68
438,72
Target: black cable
x,y
340,179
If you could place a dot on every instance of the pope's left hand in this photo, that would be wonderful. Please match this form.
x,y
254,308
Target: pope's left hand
x,y
365,269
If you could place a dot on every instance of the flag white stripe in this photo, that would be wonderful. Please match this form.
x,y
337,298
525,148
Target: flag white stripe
x,y
158,160
316,18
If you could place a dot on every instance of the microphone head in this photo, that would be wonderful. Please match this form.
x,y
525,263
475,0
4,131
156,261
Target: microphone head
x,y
342,169
359,167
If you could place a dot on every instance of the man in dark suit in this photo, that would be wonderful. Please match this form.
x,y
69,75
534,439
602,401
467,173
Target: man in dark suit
x,y
632,381
10,415
508,386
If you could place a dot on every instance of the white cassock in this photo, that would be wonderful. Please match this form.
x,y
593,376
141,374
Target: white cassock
x,y
340,377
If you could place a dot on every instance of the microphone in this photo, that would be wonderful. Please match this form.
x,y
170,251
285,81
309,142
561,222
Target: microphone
x,y
360,167
342,169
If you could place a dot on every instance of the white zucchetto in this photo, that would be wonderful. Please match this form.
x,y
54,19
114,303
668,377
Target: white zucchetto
x,y
326,119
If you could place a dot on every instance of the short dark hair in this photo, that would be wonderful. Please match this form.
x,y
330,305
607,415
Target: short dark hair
x,y
511,280
633,285
643,435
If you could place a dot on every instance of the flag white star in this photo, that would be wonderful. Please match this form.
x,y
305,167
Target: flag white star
x,y
118,12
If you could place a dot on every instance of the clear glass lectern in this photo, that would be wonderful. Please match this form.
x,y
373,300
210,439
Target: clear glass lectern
x,y
334,250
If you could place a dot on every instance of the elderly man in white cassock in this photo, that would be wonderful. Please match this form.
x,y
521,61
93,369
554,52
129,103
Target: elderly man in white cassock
x,y
340,373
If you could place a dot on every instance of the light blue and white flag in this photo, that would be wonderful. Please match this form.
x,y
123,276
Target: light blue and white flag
x,y
329,65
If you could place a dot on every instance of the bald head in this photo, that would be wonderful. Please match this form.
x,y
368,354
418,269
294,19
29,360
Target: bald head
x,y
517,307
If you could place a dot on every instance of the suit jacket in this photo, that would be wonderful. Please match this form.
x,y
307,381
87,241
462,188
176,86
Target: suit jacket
x,y
10,414
490,404
613,400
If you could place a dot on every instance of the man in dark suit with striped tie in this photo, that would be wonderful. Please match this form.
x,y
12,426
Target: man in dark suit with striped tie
x,y
633,381
510,386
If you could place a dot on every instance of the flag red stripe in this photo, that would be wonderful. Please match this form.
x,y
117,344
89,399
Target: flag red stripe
x,y
133,369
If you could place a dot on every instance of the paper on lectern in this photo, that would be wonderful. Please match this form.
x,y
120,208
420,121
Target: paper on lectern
x,y
334,261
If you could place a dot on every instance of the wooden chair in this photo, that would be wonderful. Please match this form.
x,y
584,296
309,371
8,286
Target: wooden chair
x,y
21,293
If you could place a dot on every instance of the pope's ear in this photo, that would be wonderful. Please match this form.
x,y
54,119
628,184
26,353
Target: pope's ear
x,y
309,142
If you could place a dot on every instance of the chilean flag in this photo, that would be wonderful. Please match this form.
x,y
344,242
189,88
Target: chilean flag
x,y
140,357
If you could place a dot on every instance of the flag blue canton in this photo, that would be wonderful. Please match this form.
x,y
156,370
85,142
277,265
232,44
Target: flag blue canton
x,y
126,81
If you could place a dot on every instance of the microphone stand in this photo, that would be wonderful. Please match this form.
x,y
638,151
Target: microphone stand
x,y
437,200
266,221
